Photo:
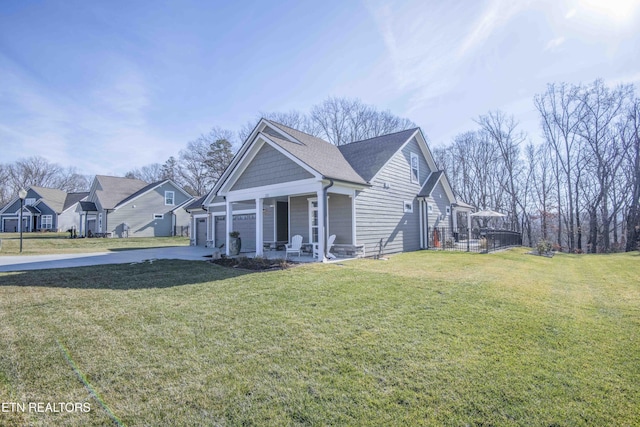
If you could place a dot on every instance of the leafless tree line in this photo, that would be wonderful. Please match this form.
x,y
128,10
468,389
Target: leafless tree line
x,y
37,171
337,120
580,188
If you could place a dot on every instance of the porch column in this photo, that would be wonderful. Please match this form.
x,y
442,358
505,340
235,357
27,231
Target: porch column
x,y
211,230
321,222
421,216
259,227
468,230
229,225
353,218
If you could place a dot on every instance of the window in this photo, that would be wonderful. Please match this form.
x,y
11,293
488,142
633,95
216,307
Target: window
x,y
169,198
415,168
30,201
46,221
313,220
408,206
448,210
158,216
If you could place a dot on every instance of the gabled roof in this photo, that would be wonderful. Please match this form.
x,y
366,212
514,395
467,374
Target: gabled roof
x,y
196,204
428,186
52,197
73,198
320,155
88,207
368,156
32,209
433,180
113,190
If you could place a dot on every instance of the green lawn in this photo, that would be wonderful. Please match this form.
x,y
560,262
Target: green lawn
x,y
59,243
425,338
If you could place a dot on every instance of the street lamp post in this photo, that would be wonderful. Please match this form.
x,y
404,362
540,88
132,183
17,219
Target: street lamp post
x,y
23,195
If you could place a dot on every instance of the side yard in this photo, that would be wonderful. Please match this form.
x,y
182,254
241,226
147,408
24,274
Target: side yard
x,y
425,338
60,243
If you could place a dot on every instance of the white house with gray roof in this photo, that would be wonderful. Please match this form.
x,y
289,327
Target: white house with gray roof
x,y
377,196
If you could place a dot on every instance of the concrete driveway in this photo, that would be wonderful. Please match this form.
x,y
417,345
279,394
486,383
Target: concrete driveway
x,y
39,262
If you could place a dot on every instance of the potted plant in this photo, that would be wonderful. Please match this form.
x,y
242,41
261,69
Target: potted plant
x,y
234,243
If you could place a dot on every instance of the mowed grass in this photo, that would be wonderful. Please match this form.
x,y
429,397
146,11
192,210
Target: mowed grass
x,y
60,243
425,338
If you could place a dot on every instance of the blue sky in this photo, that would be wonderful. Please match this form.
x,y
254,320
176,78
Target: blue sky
x,y
108,86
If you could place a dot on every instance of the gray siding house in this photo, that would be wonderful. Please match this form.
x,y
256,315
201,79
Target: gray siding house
x,y
378,196
45,209
124,207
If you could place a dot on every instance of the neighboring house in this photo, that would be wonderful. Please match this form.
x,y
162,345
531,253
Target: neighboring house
x,y
44,209
380,196
124,207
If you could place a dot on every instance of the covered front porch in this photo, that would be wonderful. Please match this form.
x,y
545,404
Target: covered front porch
x,y
268,221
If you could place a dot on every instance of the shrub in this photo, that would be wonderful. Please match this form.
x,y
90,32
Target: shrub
x,y
543,247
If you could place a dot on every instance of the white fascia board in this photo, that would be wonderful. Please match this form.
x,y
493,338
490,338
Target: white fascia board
x,y
343,189
239,212
236,159
447,188
260,141
275,190
426,151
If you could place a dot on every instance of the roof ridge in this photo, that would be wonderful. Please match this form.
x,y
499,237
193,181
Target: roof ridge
x,y
380,136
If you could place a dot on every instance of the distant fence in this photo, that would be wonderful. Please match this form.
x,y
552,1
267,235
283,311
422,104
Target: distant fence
x,y
481,241
181,230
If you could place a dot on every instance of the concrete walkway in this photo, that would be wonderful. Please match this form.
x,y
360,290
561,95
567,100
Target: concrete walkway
x,y
40,262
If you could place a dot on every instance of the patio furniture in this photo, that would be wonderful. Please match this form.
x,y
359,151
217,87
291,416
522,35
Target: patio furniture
x,y
332,239
295,246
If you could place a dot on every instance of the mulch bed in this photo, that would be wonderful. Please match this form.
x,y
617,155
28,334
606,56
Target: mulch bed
x,y
254,264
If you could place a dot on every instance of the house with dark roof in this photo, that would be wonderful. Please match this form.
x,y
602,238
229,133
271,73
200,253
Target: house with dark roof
x,y
43,209
378,196
125,207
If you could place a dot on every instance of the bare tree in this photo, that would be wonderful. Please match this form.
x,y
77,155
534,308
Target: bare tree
x,y
204,160
503,133
149,173
633,176
603,108
561,113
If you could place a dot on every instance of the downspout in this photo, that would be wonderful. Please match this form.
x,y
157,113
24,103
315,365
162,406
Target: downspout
x,y
325,218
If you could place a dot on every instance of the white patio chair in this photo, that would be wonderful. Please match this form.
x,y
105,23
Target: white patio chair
x,y
332,239
295,246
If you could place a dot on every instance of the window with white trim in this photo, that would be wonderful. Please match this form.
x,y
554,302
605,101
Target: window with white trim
x,y
158,216
29,202
408,206
415,168
46,221
313,220
169,198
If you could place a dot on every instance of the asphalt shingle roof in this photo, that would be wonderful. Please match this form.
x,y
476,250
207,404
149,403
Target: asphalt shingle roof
x,y
114,190
428,186
52,197
88,207
368,156
73,198
318,154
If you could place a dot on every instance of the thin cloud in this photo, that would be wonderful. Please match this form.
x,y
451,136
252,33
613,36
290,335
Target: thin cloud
x,y
495,15
554,43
